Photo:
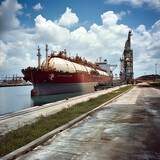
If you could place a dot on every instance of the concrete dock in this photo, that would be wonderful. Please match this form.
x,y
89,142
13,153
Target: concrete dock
x,y
126,129
17,119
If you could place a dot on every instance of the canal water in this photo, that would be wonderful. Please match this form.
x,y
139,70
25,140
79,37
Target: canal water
x,y
16,98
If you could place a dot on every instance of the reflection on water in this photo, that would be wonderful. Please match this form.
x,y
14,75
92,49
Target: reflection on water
x,y
40,100
16,98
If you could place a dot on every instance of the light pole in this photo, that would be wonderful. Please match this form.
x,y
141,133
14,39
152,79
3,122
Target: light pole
x,y
155,69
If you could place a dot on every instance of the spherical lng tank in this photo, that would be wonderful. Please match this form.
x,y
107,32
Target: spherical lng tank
x,y
59,64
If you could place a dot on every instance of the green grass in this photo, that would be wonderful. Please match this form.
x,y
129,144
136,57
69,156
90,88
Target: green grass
x,y
22,136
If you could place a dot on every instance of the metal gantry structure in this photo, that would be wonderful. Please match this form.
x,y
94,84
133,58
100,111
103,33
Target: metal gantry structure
x,y
11,80
126,70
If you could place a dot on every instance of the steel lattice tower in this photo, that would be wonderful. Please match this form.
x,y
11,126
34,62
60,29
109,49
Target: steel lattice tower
x,y
126,73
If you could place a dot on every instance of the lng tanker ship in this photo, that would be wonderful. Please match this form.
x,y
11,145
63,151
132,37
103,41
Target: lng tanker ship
x,y
61,74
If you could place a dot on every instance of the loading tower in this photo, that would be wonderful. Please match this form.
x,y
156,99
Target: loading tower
x,y
126,70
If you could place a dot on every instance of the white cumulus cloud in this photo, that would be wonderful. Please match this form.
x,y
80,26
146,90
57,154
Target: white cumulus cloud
x,y
2,52
8,11
48,31
68,19
138,3
109,18
122,14
37,7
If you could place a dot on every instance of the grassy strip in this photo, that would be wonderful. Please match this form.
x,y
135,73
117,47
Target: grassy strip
x,y
22,136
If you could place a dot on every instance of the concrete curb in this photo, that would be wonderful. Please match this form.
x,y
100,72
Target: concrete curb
x,y
30,146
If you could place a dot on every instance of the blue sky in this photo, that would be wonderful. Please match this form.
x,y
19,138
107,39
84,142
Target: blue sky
x,y
90,11
91,28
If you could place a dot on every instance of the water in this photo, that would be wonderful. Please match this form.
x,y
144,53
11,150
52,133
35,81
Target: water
x,y
16,98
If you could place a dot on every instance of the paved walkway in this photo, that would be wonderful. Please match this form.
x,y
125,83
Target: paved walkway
x,y
127,129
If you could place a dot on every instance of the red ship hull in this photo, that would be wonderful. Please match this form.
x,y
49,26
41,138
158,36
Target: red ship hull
x,y
52,82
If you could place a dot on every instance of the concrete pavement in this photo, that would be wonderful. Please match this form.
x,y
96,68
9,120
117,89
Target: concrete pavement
x,y
128,128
